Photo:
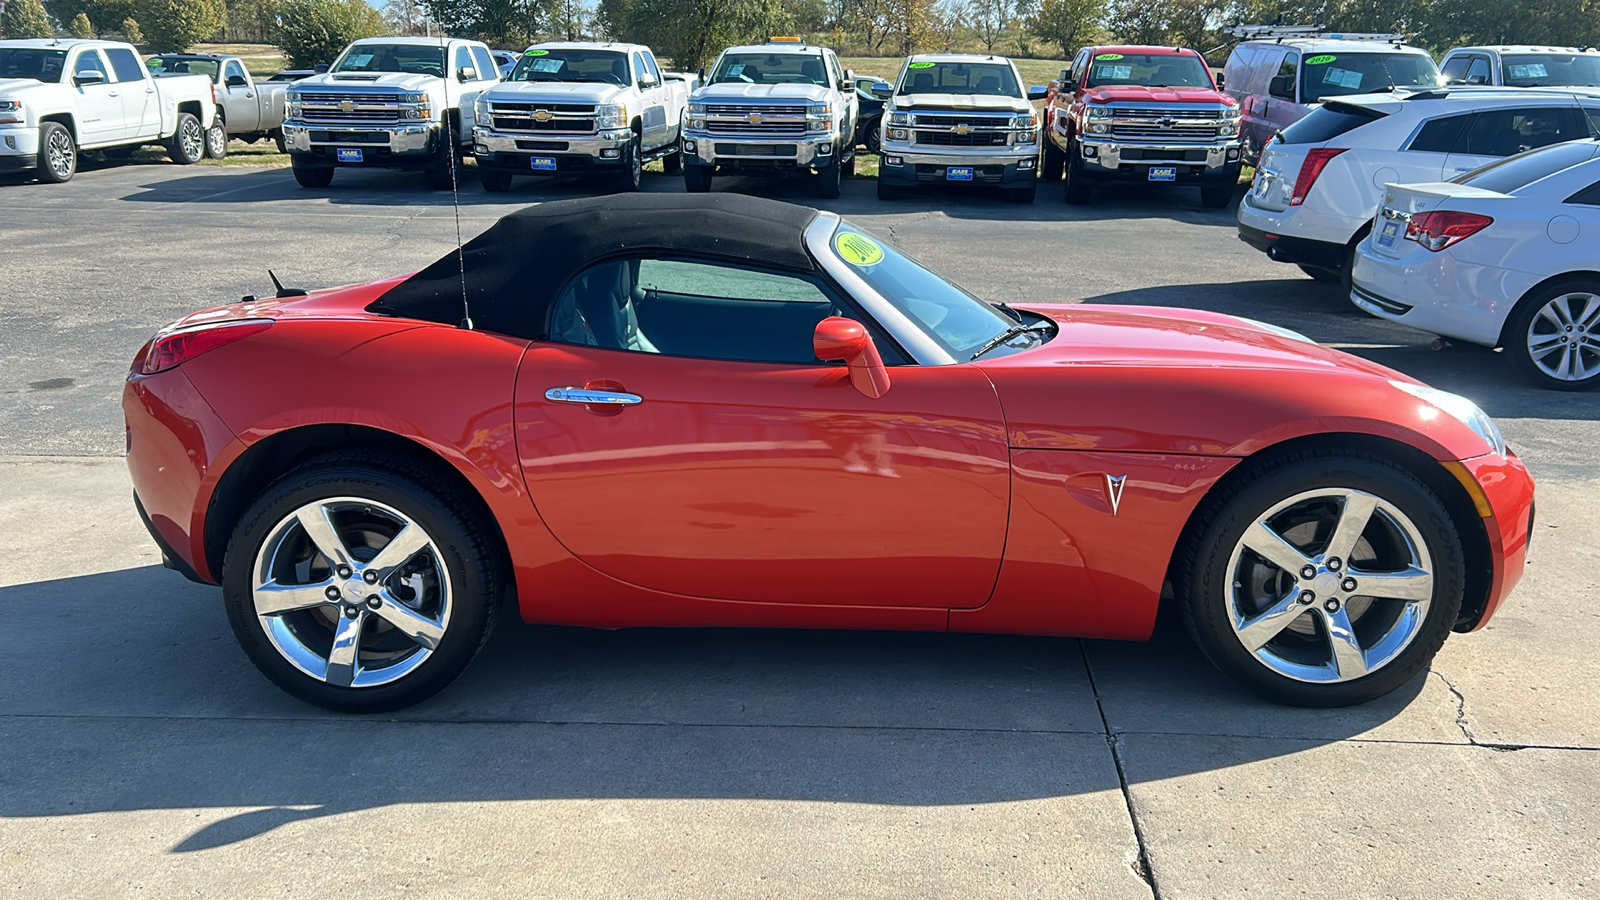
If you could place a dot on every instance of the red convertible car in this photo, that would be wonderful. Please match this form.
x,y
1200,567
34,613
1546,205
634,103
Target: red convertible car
x,y
716,410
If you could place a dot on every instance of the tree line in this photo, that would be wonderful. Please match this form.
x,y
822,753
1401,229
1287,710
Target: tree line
x,y
691,32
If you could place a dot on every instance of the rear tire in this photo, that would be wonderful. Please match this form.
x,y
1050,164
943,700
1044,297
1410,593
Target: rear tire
x,y
187,145
312,176
58,154
1053,161
828,181
1079,191
494,182
444,591
277,138
445,173
1563,357
697,179
217,139
1274,630
873,139
1216,196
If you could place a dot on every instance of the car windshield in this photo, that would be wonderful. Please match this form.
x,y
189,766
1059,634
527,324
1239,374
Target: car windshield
x,y
412,59
1560,69
955,320
1506,175
770,68
1339,74
984,79
178,65
590,66
30,62
1151,69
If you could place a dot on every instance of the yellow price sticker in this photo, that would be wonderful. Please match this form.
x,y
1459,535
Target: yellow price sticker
x,y
858,249
1109,56
537,53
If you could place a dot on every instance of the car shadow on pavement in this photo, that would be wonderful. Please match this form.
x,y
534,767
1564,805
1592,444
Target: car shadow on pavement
x,y
125,691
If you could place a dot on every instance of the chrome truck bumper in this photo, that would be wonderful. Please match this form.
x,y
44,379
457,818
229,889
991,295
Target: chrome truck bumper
x,y
754,152
905,163
549,153
362,145
1112,160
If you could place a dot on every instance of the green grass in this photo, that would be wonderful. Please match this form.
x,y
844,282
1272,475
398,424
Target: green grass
x,y
1034,71
261,153
260,59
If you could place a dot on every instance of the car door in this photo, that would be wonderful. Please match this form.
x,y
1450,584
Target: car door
x,y
99,100
852,110
728,463
1429,149
141,110
239,102
1283,103
653,115
1497,133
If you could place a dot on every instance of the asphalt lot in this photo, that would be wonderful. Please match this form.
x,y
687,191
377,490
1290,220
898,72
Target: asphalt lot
x,y
139,752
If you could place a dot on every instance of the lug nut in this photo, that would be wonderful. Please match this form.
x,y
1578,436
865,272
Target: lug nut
x,y
1331,605
1308,573
370,577
1349,584
374,602
352,610
344,572
1307,597
332,592
1333,564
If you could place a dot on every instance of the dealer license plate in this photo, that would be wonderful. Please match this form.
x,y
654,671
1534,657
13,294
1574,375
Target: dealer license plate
x,y
543,163
349,154
1163,173
1388,233
958,173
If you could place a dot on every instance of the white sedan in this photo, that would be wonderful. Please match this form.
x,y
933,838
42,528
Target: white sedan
x,y
1505,256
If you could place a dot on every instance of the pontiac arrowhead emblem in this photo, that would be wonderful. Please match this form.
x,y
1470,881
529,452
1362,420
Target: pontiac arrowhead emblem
x,y
542,115
1114,490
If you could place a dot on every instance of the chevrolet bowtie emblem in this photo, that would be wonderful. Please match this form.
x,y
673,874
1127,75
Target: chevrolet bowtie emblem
x,y
753,118
542,115
347,105
1167,122
962,129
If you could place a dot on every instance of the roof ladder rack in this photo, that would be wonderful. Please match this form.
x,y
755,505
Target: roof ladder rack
x,y
1269,32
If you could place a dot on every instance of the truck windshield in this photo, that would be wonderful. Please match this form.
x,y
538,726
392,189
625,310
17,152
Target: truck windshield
x,y
953,318
1148,69
30,62
412,59
178,65
988,79
598,66
1340,74
770,68
1560,69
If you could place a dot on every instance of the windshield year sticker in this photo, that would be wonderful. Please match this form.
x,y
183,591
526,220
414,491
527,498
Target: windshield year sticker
x,y
858,249
537,53
1320,60
920,66
1109,56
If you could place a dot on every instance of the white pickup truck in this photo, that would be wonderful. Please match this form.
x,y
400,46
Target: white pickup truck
x,y
390,102
60,97
579,108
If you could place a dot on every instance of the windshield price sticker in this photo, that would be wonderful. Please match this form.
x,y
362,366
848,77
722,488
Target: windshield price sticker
x,y
548,65
1532,70
1113,73
1109,56
1345,78
920,66
858,249
357,59
735,70
537,53
1320,60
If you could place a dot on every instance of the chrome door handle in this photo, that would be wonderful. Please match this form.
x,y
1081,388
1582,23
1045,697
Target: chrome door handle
x,y
584,395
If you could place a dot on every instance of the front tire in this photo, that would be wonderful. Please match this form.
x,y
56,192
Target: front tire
x,y
360,588
632,174
827,185
697,179
445,173
312,176
1554,335
493,181
1321,579
217,139
58,154
1079,191
187,145
1053,162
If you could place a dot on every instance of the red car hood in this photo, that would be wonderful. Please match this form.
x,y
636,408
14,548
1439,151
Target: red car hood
x,y
1134,93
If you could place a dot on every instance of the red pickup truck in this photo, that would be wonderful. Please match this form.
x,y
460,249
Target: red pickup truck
x,y
1148,114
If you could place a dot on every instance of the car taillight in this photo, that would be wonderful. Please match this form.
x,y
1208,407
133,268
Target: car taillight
x,y
1316,161
178,347
1438,230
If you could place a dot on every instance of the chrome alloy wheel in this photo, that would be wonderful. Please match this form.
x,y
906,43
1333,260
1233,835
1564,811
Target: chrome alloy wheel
x,y
193,138
351,592
1564,337
59,154
1329,585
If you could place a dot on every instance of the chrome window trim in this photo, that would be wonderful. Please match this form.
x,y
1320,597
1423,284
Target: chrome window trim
x,y
924,351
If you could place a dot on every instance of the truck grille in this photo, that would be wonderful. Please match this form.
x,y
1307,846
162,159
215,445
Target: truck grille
x,y
957,130
1164,125
738,110
940,121
755,149
973,139
336,109
543,118
725,127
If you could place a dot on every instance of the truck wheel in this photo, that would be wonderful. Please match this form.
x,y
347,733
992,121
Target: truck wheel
x,y
1054,160
632,169
697,179
874,137
849,170
187,145
672,163
494,182
1079,190
217,139
313,176
828,181
277,138
1023,194
446,169
58,153
1216,196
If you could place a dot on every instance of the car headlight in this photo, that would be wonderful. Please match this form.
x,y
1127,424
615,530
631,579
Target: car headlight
x,y
611,116
483,113
10,112
697,109
1099,112
1028,128
414,105
899,118
1464,410
819,117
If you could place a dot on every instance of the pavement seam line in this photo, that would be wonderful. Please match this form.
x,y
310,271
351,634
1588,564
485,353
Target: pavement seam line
x,y
1145,871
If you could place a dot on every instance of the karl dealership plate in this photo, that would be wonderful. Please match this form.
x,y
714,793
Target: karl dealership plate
x,y
1391,230
349,154
543,163
1163,173
958,173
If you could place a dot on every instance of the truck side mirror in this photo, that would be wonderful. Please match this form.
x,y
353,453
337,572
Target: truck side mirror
x,y
1222,80
467,73
882,90
83,78
1282,87
1038,92
702,74
237,81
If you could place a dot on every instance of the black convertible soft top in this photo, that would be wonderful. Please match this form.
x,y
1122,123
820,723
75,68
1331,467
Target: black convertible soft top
x,y
516,269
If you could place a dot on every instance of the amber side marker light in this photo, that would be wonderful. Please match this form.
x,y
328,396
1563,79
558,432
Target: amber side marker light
x,y
178,347
1474,489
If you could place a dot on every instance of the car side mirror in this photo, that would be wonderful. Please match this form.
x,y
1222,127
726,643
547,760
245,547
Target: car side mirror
x,y
838,339
83,78
702,74
1038,92
1222,80
1477,79
237,81
645,81
882,90
1282,87
467,73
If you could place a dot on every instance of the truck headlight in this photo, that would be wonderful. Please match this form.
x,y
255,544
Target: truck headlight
x,y
697,109
819,117
611,116
484,114
1099,112
1027,128
414,105
1464,411
899,118
10,112
1099,128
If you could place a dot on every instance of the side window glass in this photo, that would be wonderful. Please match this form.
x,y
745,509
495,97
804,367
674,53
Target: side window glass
x,y
125,64
1439,135
1503,132
487,71
1589,196
650,66
232,70
638,66
833,66
1282,85
464,61
1454,70
89,62
1478,71
692,309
